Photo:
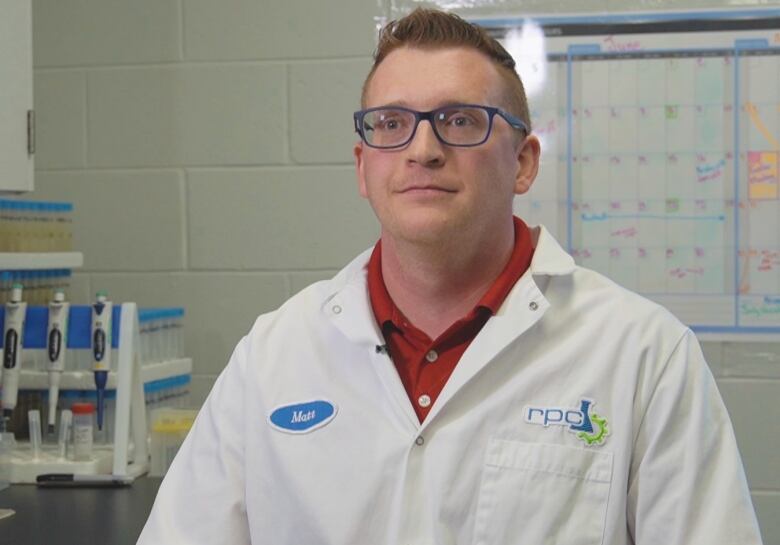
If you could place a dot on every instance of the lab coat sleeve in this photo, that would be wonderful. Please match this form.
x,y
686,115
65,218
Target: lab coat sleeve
x,y
201,499
687,485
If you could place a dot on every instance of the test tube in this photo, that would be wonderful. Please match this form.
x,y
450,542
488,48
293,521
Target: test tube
x,y
154,338
142,336
68,227
170,328
34,422
15,231
66,419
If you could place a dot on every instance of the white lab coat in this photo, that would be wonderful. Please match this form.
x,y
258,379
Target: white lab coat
x,y
483,468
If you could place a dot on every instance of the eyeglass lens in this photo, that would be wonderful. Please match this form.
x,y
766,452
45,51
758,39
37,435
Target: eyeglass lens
x,y
459,126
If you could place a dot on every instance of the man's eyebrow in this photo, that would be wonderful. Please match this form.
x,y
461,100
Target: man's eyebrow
x,y
395,104
443,104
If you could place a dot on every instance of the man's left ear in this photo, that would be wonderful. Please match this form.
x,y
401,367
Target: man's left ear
x,y
527,163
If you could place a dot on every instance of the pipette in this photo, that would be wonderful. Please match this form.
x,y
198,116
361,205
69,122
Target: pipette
x,y
15,313
56,345
101,348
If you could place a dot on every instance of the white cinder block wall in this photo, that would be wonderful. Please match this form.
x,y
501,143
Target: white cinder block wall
x,y
207,148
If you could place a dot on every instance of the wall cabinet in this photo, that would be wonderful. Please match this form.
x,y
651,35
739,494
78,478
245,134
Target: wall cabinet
x,y
17,120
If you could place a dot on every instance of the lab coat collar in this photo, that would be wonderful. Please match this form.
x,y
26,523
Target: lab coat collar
x,y
348,305
549,258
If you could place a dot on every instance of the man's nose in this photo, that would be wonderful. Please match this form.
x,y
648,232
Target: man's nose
x,y
425,147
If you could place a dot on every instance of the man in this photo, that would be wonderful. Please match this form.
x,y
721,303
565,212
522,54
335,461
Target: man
x,y
463,382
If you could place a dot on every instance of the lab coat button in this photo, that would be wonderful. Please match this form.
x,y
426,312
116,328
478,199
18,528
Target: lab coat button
x,y
424,400
432,356
336,309
420,440
533,306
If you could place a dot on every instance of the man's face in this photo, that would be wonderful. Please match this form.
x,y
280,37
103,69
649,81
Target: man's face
x,y
427,191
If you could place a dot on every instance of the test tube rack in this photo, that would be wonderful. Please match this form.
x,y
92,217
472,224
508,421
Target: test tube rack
x,y
127,458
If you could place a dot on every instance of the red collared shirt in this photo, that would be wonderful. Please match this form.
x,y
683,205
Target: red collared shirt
x,y
423,364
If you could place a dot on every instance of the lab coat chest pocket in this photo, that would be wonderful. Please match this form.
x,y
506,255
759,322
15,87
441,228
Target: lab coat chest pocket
x,y
542,494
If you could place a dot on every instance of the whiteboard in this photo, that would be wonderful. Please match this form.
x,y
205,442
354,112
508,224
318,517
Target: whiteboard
x,y
661,149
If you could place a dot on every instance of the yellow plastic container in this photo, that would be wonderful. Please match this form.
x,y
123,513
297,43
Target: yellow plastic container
x,y
169,429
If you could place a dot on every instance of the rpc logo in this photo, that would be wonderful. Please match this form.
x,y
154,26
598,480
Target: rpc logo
x,y
588,426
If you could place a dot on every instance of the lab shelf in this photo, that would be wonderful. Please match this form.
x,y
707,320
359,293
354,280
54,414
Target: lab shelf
x,y
85,380
23,261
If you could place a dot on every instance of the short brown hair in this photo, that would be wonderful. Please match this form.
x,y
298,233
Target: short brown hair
x,y
428,28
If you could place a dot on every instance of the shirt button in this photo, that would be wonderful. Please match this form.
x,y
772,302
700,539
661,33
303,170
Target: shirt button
x,y
419,441
532,305
336,309
424,400
432,356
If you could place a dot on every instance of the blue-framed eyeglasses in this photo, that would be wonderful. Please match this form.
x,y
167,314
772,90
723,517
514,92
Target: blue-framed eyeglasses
x,y
462,125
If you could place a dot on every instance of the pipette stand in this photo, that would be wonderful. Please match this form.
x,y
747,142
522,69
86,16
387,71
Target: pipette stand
x,y
130,405
127,458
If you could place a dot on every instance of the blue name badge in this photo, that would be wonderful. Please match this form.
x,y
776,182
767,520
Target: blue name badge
x,y
302,417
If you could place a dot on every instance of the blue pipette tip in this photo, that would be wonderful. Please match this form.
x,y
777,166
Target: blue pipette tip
x,y
101,377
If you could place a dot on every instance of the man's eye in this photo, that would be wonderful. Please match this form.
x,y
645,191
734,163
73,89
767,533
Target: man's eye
x,y
460,120
390,124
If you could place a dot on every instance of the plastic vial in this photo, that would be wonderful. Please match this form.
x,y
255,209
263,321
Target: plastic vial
x,y
82,430
66,421
34,423
7,444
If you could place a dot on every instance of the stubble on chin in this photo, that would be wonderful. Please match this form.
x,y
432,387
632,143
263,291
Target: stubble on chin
x,y
425,230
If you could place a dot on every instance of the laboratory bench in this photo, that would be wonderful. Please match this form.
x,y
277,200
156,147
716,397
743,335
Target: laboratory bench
x,y
65,516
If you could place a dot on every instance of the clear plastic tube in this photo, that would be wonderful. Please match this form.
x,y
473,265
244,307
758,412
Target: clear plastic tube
x,y
66,421
154,342
15,231
34,423
7,444
6,280
37,226
25,216
4,224
62,228
49,225
144,342
68,219
165,329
